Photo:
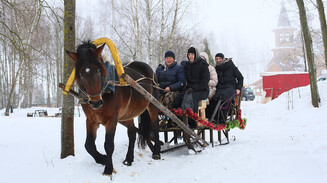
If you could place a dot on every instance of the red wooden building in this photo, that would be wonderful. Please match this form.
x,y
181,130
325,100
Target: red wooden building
x,y
276,83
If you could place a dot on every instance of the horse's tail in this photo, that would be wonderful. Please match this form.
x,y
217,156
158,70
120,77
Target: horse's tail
x,y
144,129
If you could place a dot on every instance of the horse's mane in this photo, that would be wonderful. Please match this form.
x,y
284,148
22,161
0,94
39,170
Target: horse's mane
x,y
85,54
142,68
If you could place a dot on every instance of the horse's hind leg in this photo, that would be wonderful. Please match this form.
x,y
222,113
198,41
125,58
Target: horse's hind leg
x,y
153,112
90,142
131,130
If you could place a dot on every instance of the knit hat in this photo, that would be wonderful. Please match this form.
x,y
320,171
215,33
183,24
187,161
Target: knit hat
x,y
220,55
170,54
192,50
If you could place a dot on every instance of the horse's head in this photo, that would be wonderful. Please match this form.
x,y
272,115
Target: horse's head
x,y
90,72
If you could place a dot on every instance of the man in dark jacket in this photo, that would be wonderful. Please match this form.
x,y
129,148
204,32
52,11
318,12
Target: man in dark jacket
x,y
229,85
197,78
170,78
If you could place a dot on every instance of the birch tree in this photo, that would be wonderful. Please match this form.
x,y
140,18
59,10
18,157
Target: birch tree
x,y
161,34
22,21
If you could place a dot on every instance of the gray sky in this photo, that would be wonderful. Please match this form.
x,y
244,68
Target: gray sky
x,y
251,21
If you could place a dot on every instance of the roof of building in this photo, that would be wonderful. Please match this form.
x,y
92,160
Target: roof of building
x,y
283,20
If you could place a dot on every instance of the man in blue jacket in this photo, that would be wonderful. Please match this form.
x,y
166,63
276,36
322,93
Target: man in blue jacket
x,y
171,79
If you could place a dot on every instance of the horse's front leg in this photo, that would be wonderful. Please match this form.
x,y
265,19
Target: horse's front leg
x,y
90,147
109,148
131,130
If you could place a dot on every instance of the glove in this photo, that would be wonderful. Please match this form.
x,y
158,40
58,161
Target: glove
x,y
190,90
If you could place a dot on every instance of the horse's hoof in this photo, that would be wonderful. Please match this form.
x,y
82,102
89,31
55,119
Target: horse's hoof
x,y
127,163
156,156
109,175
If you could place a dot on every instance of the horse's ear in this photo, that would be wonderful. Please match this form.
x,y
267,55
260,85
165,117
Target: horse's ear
x,y
99,50
72,55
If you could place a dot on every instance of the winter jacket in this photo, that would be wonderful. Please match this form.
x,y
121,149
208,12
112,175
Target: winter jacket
x,y
173,76
230,79
197,74
213,76
197,78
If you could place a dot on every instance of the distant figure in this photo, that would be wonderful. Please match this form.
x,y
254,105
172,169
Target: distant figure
x,y
230,83
213,76
197,78
111,73
171,79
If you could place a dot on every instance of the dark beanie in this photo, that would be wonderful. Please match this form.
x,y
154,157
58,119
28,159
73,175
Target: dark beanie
x,y
191,50
220,55
170,54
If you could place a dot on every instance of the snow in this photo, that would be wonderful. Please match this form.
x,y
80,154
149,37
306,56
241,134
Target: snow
x,y
283,72
281,143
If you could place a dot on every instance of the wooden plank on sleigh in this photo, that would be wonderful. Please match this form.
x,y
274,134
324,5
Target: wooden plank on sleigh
x,y
165,110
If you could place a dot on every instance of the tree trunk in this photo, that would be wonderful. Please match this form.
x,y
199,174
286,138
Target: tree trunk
x,y
162,28
67,120
304,53
173,27
310,55
149,21
9,103
323,26
48,85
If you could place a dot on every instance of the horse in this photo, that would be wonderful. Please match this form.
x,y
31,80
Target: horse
x,y
121,106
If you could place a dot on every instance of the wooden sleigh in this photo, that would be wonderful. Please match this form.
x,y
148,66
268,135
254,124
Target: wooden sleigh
x,y
172,134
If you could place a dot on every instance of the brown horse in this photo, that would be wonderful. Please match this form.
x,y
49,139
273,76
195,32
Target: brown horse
x,y
120,106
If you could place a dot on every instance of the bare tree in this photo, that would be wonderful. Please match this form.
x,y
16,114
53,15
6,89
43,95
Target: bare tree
x,y
322,17
67,120
18,28
162,29
148,9
310,55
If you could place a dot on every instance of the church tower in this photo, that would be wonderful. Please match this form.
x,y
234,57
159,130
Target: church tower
x,y
284,53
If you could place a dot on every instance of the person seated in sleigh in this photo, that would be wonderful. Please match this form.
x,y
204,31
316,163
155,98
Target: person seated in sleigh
x,y
197,79
171,79
229,85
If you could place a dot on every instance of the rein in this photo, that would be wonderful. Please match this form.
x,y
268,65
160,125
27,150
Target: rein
x,y
155,85
117,83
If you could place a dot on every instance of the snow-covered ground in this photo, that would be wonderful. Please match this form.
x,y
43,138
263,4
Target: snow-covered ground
x,y
278,145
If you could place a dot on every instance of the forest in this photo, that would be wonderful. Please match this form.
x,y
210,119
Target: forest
x,y
32,41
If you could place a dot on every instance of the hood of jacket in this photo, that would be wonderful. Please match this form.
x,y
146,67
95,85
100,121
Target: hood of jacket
x,y
224,61
204,56
197,56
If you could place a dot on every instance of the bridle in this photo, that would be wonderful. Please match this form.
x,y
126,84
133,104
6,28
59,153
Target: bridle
x,y
83,89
